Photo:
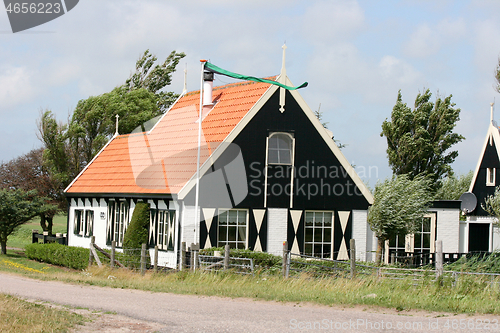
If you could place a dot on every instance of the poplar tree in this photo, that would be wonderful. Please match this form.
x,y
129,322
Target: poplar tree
x,y
419,139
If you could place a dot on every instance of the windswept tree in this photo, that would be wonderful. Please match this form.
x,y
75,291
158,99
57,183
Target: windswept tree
x,y
61,154
419,139
398,208
93,121
491,205
16,208
452,187
72,146
28,172
154,78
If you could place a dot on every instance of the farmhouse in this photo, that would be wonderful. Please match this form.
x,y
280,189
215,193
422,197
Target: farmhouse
x,y
269,172
478,232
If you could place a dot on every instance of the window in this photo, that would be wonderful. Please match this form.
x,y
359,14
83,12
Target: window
x,y
78,224
117,221
280,149
165,228
84,222
420,243
490,176
397,245
318,234
422,238
232,229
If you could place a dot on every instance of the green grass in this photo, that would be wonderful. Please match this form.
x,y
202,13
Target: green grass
x,y
22,236
471,295
17,315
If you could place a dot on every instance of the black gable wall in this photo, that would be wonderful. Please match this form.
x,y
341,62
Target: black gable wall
x,y
490,160
320,182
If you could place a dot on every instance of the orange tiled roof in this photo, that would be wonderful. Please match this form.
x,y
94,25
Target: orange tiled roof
x,y
164,160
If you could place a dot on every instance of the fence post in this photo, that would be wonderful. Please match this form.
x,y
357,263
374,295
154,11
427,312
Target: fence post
x,y
143,259
113,248
285,259
352,244
194,255
34,239
227,251
182,264
439,258
156,260
91,255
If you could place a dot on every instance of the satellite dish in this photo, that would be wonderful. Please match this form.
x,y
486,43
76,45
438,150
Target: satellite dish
x,y
469,202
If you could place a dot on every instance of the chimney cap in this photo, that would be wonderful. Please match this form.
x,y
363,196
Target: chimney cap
x,y
208,76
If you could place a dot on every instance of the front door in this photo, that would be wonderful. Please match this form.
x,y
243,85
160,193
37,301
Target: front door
x,y
479,237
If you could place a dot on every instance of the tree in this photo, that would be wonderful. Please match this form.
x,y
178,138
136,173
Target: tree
x,y
71,147
154,79
418,140
492,205
16,208
452,187
93,121
398,208
28,172
63,162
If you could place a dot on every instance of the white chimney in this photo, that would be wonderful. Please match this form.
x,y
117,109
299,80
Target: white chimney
x,y
208,85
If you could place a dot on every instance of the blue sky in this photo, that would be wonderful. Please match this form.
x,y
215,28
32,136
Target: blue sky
x,y
355,55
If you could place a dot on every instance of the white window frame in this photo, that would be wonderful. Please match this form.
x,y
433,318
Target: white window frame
x,y
232,244
118,218
292,164
83,222
313,244
78,222
490,176
165,219
278,149
410,245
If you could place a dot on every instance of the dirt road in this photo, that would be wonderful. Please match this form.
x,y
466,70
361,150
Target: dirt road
x,y
185,313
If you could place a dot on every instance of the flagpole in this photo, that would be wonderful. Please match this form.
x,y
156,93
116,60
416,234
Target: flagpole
x,y
197,208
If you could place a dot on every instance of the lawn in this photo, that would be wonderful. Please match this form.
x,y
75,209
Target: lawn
x,y
17,315
22,236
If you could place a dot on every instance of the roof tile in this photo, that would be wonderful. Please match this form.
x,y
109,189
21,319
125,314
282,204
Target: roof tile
x,y
164,160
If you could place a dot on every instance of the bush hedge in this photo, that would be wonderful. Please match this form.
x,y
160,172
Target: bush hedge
x,y
136,234
57,254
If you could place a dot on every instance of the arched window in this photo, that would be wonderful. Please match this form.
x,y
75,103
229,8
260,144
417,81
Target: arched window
x,y
280,149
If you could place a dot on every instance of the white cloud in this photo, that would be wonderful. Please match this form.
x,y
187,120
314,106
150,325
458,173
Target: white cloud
x,y
327,21
428,40
397,71
15,86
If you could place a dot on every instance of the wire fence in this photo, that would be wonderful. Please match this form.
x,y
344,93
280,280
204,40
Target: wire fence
x,y
235,265
296,264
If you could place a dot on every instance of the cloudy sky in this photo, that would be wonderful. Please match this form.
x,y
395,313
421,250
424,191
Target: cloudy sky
x,y
355,55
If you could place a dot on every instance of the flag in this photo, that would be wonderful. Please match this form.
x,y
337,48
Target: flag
x,y
212,68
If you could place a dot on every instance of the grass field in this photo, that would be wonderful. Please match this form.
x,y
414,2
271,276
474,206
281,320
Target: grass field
x,y
22,236
17,315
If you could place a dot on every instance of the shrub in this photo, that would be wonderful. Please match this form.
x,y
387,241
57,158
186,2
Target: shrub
x,y
57,254
136,234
